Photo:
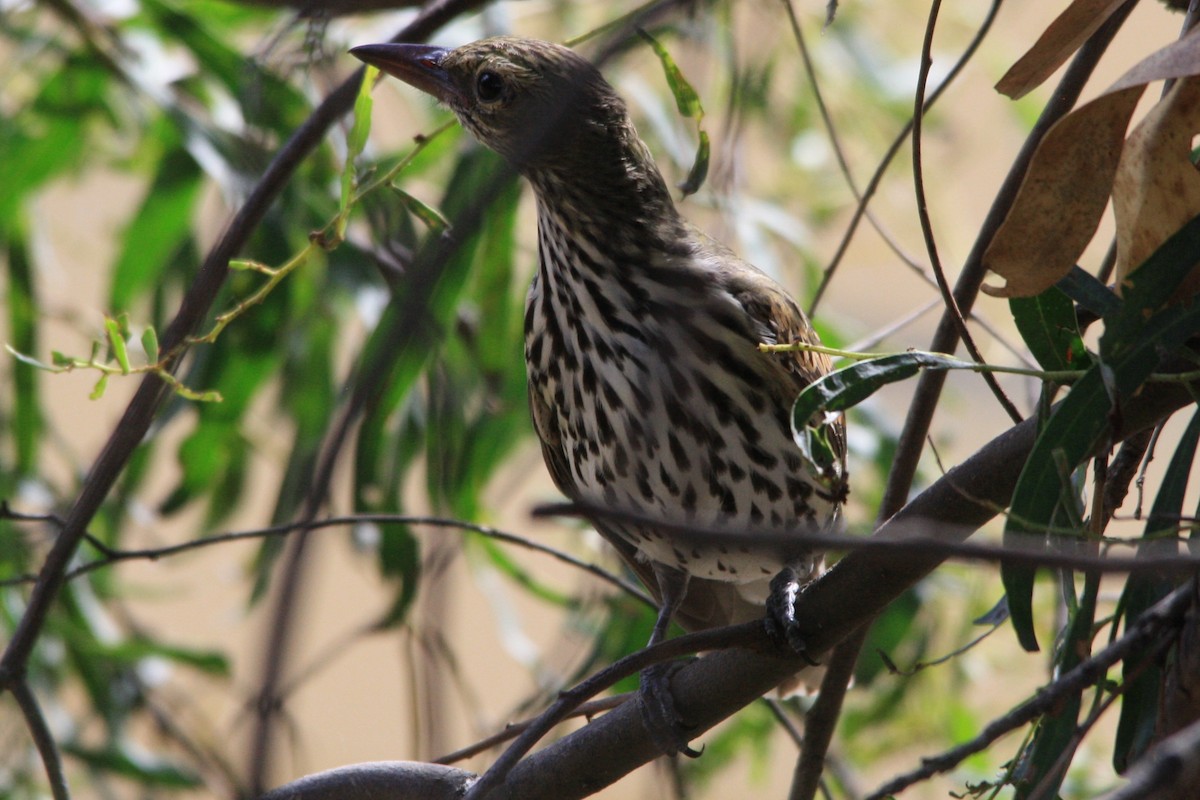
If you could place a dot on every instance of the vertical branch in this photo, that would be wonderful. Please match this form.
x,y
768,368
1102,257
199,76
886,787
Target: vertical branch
x,y
945,339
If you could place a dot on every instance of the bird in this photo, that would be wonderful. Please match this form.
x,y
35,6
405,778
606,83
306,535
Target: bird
x,y
647,386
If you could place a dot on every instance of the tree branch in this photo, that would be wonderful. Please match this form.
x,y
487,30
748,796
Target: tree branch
x,y
710,689
43,739
966,289
1150,627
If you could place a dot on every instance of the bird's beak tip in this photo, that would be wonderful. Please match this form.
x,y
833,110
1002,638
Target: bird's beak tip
x,y
416,64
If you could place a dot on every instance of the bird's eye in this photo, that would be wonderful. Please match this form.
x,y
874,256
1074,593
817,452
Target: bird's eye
x,y
489,86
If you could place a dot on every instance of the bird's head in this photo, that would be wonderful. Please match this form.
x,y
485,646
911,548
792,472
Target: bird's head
x,y
534,102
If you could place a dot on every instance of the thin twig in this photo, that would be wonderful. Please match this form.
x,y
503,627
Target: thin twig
x,y
1150,626
510,732
744,635
112,556
945,339
810,72
901,137
935,261
912,539
821,720
43,739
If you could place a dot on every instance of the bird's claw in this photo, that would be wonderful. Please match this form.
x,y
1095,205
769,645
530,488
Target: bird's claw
x,y
780,621
659,713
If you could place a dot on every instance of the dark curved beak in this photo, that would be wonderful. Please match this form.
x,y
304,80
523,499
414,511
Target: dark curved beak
x,y
417,64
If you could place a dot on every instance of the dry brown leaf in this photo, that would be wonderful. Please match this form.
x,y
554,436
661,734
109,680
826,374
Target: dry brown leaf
x,y
1062,198
1066,33
1157,188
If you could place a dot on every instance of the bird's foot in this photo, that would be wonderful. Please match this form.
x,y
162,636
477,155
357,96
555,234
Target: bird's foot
x,y
659,713
780,621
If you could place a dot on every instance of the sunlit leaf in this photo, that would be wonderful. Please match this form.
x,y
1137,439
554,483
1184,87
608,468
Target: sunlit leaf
x,y
117,343
150,344
357,140
157,231
429,216
98,390
686,98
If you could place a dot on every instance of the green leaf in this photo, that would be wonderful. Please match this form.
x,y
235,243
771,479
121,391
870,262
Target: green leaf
x,y
429,216
357,140
686,98
162,225
1148,288
150,344
1043,767
699,170
1048,327
131,651
1140,700
98,390
26,421
515,571
850,385
117,342
1131,349
147,770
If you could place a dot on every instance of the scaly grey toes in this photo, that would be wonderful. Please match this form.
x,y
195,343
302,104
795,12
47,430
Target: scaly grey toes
x,y
659,714
780,621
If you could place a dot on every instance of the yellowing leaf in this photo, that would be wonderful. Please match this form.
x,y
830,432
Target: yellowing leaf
x,y
1066,33
1157,188
1063,196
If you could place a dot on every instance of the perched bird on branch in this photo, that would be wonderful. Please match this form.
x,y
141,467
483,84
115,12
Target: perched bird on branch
x,y
646,383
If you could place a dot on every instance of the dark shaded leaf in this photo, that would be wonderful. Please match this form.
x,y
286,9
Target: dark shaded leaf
x,y
1131,349
1139,702
699,170
26,423
1048,328
117,759
1086,290
850,385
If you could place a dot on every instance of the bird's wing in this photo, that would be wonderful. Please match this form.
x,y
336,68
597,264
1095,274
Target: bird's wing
x,y
777,319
